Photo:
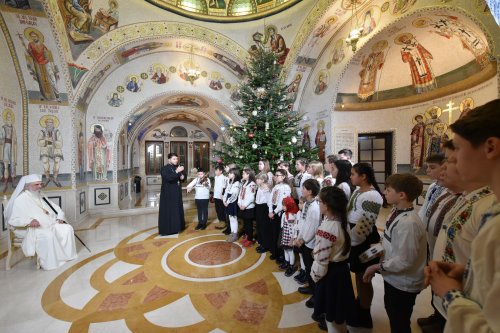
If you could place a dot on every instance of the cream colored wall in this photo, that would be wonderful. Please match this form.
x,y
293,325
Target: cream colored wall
x,y
399,120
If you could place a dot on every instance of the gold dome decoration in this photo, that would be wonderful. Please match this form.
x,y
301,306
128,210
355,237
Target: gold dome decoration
x,y
225,10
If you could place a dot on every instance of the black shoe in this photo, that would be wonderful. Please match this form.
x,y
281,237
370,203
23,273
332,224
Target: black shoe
x,y
198,227
363,318
322,325
300,275
310,302
203,227
290,270
305,290
280,260
284,266
431,320
272,257
302,280
261,250
317,317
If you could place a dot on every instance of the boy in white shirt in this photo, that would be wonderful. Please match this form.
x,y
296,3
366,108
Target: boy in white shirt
x,y
220,184
405,252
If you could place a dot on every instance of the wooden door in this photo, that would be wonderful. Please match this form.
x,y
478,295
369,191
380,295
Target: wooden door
x,y
376,149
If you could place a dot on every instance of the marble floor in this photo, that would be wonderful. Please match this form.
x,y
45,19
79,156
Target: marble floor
x,y
135,281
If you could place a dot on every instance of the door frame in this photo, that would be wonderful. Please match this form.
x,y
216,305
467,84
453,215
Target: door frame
x,y
187,153
146,156
394,166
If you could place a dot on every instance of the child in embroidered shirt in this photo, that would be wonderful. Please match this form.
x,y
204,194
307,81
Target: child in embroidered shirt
x,y
263,225
288,222
201,185
219,186
231,202
362,212
333,295
405,252
275,208
301,278
433,171
265,167
315,169
246,204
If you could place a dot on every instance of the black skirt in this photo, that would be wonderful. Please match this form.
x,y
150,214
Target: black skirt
x,y
334,294
247,214
356,265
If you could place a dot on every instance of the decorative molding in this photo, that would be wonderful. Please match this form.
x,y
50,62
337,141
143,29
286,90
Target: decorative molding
x,y
225,18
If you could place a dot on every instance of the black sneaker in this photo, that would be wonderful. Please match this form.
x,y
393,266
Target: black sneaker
x,y
290,270
203,227
198,227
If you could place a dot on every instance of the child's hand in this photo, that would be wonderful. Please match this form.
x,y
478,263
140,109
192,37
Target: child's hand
x,y
370,273
444,277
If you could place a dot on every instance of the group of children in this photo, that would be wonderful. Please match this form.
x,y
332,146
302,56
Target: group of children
x,y
330,222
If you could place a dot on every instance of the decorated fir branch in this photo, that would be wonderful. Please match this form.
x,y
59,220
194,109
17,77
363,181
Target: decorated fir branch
x,y
270,130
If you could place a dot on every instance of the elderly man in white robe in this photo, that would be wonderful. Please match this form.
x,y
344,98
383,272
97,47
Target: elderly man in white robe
x,y
41,223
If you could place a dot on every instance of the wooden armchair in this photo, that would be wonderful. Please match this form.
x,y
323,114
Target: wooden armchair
x,y
14,242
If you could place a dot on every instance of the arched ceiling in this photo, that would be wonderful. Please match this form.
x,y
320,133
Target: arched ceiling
x,y
426,55
206,113
225,10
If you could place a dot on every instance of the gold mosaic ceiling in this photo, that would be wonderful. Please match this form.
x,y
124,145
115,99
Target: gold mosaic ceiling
x,y
225,10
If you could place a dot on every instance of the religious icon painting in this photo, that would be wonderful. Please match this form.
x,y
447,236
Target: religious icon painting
x,y
115,99
370,19
215,81
144,76
172,69
102,196
417,146
227,85
121,191
204,74
338,52
235,94
120,89
384,7
401,7
466,106
158,74
83,203
434,112
321,82
347,4
133,83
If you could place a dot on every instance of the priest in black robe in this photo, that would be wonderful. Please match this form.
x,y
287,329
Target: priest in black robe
x,y
171,217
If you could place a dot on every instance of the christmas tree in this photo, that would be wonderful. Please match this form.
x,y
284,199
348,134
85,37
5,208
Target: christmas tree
x,y
270,130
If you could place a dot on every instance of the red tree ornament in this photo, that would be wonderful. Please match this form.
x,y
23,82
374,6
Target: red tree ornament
x,y
250,135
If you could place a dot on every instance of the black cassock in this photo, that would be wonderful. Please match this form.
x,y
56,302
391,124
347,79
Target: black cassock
x,y
171,217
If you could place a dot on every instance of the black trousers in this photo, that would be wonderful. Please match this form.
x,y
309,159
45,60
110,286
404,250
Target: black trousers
x,y
275,232
202,207
308,261
399,307
220,210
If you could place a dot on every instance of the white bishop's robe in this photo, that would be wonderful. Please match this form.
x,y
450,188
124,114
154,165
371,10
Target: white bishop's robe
x,y
53,242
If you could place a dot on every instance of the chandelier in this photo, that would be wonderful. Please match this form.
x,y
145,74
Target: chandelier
x,y
356,31
190,70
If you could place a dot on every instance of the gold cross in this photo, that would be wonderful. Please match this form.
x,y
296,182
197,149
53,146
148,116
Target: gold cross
x,y
450,110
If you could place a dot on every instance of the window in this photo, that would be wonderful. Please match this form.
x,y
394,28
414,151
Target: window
x,y
201,151
154,157
178,132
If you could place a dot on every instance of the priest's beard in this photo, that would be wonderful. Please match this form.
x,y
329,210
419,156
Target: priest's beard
x,y
36,194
